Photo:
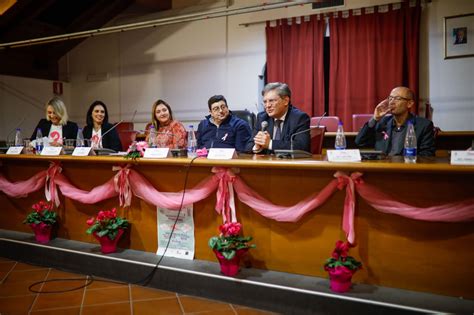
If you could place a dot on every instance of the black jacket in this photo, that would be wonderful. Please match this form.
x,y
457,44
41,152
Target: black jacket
x,y
69,130
110,141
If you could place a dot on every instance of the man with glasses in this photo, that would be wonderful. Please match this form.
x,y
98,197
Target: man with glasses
x,y
221,129
387,132
280,121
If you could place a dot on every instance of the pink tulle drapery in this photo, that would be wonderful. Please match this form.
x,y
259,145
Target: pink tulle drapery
x,y
128,182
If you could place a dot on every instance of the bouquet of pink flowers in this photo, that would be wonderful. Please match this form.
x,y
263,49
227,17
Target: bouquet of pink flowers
x,y
136,150
106,223
229,240
42,215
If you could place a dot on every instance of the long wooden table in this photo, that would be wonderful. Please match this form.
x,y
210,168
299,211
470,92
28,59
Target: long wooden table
x,y
396,251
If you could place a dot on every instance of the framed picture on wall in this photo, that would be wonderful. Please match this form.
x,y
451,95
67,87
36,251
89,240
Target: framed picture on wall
x,y
459,36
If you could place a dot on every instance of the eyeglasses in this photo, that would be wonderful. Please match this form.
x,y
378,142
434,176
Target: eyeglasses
x,y
218,108
271,101
398,98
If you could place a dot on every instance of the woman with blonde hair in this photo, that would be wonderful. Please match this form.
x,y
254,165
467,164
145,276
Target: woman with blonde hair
x,y
56,125
170,133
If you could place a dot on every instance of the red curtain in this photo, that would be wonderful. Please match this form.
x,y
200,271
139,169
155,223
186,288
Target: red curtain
x,y
370,54
295,56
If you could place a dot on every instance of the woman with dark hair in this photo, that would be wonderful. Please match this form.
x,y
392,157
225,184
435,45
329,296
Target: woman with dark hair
x,y
169,133
98,127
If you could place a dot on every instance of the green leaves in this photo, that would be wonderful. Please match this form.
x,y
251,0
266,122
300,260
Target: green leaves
x,y
228,245
47,216
349,262
109,227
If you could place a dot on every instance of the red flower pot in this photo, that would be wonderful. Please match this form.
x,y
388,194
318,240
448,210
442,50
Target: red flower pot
x,y
107,245
230,267
340,279
42,232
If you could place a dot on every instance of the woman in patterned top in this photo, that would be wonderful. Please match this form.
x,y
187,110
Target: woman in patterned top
x,y
170,133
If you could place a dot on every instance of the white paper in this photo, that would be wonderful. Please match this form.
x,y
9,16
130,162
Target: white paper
x,y
351,155
462,157
156,153
221,154
82,151
14,150
182,241
51,151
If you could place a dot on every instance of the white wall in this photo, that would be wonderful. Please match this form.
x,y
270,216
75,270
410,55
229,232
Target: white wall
x,y
187,63
447,84
22,102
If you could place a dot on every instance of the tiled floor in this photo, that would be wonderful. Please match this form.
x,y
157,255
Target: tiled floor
x,y
100,297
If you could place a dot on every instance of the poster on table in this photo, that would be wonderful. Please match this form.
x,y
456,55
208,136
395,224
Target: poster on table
x,y
182,240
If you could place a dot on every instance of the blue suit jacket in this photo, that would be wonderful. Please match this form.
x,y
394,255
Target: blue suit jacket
x,y
295,121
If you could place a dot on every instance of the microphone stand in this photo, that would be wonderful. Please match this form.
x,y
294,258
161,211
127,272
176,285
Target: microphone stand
x,y
295,154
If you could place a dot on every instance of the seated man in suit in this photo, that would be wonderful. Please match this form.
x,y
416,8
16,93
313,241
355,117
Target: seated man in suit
x,y
387,133
282,121
221,129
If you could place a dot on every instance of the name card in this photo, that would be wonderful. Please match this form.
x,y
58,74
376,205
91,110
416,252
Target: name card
x,y
52,151
462,157
82,151
157,153
352,155
221,154
14,150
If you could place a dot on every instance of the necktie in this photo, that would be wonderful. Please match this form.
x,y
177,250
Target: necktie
x,y
277,130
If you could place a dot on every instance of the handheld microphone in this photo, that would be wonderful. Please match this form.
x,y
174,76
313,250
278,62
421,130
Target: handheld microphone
x,y
264,126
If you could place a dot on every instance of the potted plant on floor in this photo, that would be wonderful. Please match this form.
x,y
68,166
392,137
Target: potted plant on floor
x,y
341,267
41,221
107,228
229,246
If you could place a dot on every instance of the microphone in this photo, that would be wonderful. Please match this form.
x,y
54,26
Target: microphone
x,y
113,127
264,126
320,118
295,153
292,137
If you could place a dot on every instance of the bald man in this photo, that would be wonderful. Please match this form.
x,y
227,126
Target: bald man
x,y
387,132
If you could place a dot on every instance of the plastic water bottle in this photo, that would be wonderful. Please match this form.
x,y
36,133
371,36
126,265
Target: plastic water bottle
x,y
18,138
152,137
340,143
409,151
79,138
192,143
39,141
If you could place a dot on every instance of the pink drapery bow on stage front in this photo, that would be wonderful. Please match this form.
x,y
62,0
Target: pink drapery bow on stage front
x,y
50,189
122,185
225,201
349,201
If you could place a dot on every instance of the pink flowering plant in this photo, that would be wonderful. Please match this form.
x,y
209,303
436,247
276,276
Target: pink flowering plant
x,y
136,150
42,215
229,240
340,258
106,223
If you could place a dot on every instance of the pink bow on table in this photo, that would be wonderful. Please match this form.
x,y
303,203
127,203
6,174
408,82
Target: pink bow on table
x,y
122,185
225,203
349,202
50,189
